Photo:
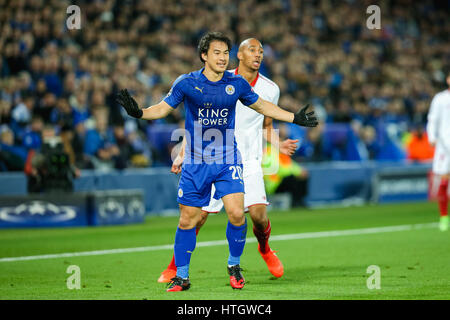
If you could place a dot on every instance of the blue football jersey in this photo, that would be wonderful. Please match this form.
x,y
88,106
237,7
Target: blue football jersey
x,y
210,114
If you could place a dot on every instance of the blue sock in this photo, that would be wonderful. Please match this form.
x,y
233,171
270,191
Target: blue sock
x,y
185,241
236,241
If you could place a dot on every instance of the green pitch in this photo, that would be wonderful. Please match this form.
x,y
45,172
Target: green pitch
x,y
320,261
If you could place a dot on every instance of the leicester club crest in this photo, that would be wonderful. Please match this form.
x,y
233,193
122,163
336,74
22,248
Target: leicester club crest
x,y
229,89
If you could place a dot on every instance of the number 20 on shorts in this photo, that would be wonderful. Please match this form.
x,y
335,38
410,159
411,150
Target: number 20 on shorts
x,y
237,172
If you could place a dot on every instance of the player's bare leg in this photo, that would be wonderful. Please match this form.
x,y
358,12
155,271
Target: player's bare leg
x,y
236,236
185,241
261,230
171,269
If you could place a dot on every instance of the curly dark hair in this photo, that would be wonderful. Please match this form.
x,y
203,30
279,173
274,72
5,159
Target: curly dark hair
x,y
205,41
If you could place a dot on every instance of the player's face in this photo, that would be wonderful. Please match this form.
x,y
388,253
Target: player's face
x,y
252,55
217,57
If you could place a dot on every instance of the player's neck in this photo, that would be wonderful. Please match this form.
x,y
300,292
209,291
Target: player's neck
x,y
211,75
248,74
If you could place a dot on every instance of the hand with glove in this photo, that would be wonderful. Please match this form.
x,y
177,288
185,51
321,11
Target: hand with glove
x,y
304,119
129,104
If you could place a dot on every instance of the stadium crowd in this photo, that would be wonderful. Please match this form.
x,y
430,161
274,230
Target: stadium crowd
x,y
372,86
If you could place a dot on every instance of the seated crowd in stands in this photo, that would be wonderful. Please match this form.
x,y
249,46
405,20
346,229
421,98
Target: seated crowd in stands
x,y
371,88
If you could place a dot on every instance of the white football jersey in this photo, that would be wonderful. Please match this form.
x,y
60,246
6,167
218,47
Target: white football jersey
x,y
438,127
249,124
438,130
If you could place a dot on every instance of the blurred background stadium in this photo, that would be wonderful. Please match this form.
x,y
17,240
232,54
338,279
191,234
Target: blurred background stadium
x,y
371,89
61,130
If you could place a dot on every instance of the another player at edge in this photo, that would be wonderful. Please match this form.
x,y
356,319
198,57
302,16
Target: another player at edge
x,y
438,131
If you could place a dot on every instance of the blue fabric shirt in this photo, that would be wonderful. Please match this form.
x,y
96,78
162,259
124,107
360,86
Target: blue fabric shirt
x,y
32,140
210,114
94,141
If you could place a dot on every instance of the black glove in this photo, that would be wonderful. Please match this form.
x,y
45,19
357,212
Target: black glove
x,y
304,119
130,105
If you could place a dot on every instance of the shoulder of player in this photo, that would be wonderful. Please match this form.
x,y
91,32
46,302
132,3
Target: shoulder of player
x,y
266,80
445,93
442,95
231,76
186,77
268,86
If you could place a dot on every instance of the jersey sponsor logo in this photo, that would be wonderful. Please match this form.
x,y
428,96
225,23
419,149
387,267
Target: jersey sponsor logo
x,y
229,89
207,145
197,88
169,93
212,116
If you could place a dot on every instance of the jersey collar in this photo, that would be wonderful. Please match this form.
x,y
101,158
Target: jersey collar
x,y
254,80
205,79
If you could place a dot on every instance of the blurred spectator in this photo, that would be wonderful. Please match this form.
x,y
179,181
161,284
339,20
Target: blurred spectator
x,y
417,146
124,146
22,113
290,177
343,112
62,115
5,112
142,151
100,144
51,169
371,144
46,106
33,136
73,138
315,147
12,157
78,102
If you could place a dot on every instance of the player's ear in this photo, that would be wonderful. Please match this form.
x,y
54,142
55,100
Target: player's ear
x,y
240,55
204,56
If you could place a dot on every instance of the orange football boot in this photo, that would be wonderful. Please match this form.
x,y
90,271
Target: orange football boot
x,y
167,275
273,262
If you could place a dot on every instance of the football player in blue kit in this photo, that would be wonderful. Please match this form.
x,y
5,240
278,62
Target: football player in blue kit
x,y
211,155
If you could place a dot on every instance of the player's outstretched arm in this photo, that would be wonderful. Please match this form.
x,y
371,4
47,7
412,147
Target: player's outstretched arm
x,y
157,111
271,110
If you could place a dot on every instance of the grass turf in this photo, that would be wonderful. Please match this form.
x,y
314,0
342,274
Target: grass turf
x,y
413,263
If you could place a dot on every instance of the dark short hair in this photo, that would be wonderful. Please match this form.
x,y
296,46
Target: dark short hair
x,y
205,41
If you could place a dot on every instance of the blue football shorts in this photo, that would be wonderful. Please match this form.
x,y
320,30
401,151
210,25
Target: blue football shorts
x,y
196,181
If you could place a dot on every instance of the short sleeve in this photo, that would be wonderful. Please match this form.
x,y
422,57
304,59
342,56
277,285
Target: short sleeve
x,y
276,97
247,95
176,93
433,120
